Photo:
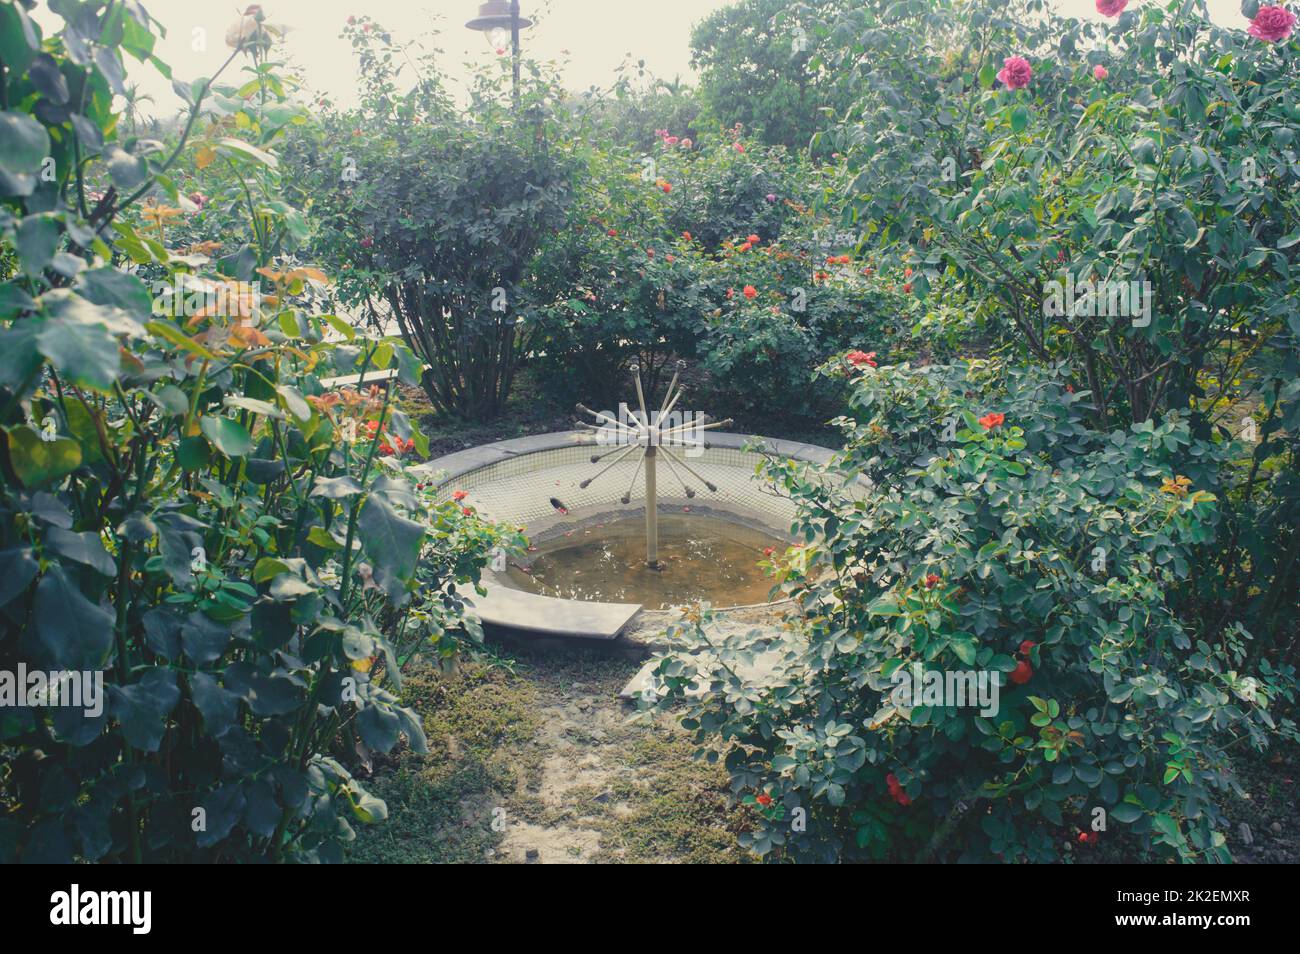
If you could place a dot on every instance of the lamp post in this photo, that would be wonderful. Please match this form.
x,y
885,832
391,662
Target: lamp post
x,y
499,19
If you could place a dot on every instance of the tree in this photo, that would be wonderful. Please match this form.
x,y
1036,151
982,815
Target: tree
x,y
764,64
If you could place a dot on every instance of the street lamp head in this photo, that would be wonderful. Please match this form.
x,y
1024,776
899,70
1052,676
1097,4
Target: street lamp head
x,y
495,19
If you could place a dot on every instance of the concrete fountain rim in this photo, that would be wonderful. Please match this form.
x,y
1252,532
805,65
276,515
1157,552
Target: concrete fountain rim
x,y
518,611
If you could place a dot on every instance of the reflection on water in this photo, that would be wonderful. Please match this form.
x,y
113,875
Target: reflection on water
x,y
701,558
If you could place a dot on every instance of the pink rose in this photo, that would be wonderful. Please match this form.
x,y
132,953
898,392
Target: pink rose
x,y
1100,72
1272,24
1016,72
1111,8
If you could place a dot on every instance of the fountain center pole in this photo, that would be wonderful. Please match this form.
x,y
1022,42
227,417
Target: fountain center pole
x,y
651,509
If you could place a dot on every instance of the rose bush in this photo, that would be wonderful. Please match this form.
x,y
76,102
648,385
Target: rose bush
x,y
187,508
1154,153
731,267
1019,542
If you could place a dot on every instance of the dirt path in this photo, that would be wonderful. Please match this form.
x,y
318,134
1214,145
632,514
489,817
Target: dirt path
x,y
533,760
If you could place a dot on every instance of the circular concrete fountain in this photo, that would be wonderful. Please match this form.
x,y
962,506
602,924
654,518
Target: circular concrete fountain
x,y
542,483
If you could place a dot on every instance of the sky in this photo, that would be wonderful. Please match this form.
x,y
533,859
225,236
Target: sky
x,y
590,37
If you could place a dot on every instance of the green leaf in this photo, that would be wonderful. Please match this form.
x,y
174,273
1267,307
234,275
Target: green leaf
x,y
194,453
268,568
336,488
112,286
226,435
38,462
84,548
13,300
321,538
240,149
142,708
19,356
390,540
177,337
37,238
72,631
17,570
965,649
24,145
217,705
254,405
286,586
87,355
128,172
294,401
378,727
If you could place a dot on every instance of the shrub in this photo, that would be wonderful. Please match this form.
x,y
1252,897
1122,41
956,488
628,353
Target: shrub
x,y
438,214
1000,534
186,509
654,267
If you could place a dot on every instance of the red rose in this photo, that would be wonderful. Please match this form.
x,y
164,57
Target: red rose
x,y
460,495
992,420
931,581
1111,8
1272,24
768,551
859,358
1016,72
1026,646
1022,673
763,799
612,232
750,291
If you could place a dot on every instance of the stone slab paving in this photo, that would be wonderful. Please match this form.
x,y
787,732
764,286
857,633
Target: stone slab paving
x,y
543,615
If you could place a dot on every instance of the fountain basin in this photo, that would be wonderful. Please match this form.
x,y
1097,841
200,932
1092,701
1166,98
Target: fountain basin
x,y
519,482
